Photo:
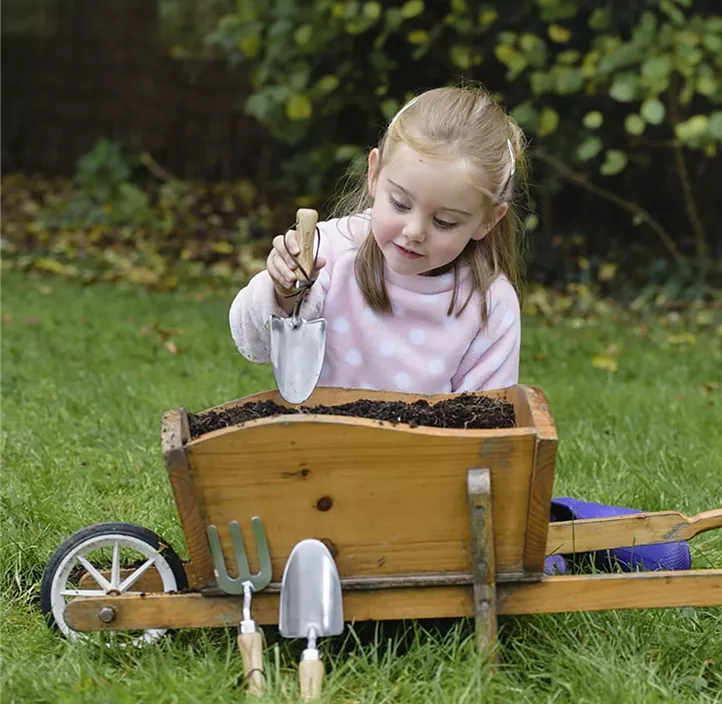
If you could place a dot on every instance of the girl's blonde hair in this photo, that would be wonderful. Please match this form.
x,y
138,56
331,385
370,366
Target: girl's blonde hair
x,y
457,123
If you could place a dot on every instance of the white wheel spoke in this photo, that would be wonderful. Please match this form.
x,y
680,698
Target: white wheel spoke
x,y
115,569
130,580
100,580
83,592
90,592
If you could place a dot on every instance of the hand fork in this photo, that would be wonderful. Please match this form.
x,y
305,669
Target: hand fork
x,y
249,638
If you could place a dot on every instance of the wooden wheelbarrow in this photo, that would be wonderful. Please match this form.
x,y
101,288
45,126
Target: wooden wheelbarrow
x,y
421,522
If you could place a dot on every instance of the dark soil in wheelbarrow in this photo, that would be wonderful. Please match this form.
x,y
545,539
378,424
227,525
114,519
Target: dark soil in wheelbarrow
x,y
465,411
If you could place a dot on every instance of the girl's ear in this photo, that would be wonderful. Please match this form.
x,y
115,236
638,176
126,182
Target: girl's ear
x,y
486,227
373,171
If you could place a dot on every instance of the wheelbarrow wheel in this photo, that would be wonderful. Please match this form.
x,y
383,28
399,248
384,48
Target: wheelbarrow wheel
x,y
126,552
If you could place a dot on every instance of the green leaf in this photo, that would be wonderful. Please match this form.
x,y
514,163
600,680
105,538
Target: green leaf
x,y
412,8
541,82
420,37
707,86
624,88
693,129
559,34
593,120
303,34
298,107
652,111
327,84
460,56
589,148
570,56
657,67
634,124
372,10
599,19
526,115
548,121
567,80
712,43
389,107
614,162
504,53
715,125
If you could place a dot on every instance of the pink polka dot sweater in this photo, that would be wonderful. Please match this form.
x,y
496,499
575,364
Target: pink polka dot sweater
x,y
419,348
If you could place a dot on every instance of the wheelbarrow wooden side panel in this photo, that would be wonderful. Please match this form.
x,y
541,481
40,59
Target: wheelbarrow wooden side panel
x,y
387,499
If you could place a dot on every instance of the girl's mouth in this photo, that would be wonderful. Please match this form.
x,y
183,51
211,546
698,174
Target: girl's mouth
x,y
407,252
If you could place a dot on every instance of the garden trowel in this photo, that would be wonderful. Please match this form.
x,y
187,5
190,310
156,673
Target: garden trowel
x,y
310,607
297,345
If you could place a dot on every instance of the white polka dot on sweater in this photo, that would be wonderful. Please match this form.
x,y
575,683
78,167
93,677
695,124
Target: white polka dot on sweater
x,y
417,336
436,366
354,358
403,381
387,347
341,325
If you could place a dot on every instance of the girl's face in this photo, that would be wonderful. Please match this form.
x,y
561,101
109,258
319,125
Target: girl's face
x,y
425,210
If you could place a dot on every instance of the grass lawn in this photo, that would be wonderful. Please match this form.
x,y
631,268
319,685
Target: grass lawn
x,y
86,375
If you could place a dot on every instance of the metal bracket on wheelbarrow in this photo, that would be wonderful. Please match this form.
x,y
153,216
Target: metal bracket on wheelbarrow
x,y
234,585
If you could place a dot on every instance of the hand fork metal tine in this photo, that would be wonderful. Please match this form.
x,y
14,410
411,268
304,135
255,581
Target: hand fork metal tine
x,y
234,585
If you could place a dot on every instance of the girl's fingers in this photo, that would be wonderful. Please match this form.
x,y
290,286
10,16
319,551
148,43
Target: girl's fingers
x,y
281,275
287,248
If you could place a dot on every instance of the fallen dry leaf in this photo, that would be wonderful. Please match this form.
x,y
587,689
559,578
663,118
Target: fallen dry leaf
x,y
601,361
32,322
171,347
7,317
539,357
712,385
607,271
682,338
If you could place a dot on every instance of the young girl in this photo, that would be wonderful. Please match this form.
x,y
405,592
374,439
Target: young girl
x,y
419,283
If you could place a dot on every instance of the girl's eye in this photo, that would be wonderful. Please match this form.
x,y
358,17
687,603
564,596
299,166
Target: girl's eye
x,y
443,225
398,206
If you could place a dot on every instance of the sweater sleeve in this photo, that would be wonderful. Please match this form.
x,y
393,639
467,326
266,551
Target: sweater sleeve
x,y
250,312
492,360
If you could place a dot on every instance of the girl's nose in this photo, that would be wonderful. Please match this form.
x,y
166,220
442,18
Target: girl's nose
x,y
414,230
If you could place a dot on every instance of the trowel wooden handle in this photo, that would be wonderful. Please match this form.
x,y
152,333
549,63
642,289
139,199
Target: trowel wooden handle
x,y
310,675
251,647
306,220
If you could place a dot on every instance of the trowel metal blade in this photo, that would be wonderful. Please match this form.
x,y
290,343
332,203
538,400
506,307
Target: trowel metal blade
x,y
310,593
297,354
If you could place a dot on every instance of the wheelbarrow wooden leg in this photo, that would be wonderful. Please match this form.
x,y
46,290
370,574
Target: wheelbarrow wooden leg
x,y
482,560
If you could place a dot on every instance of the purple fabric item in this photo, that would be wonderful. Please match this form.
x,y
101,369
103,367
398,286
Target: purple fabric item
x,y
664,556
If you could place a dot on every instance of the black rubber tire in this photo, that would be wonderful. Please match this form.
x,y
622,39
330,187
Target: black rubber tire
x,y
97,530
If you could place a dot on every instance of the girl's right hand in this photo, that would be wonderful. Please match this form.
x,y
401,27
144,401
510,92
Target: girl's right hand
x,y
284,271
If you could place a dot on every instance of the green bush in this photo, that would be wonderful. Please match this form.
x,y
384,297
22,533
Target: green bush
x,y
601,90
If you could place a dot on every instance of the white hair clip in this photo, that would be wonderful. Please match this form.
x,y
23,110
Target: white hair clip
x,y
408,105
512,170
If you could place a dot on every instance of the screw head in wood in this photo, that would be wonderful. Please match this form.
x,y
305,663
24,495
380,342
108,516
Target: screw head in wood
x,y
106,614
